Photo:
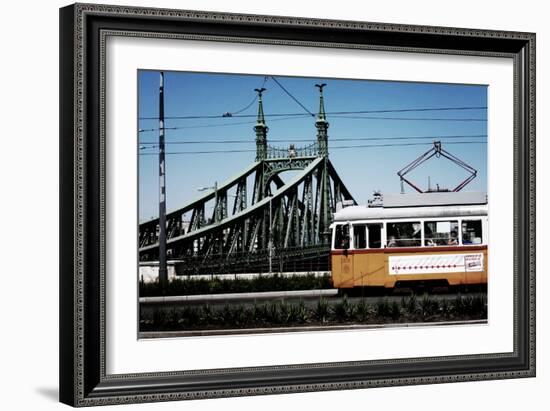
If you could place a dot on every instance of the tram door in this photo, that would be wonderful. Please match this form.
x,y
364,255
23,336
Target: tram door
x,y
375,265
365,264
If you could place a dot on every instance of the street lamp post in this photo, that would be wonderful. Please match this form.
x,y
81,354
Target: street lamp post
x,y
270,243
216,203
216,208
217,216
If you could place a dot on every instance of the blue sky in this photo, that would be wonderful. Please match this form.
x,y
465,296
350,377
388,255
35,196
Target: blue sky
x,y
363,169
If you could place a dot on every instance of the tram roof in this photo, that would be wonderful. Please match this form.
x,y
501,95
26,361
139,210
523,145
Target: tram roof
x,y
419,205
434,199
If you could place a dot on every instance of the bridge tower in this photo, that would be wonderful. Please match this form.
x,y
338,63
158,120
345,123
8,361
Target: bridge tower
x,y
325,217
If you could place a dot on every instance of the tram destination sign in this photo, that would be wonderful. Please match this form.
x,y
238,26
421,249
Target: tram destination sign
x,y
435,263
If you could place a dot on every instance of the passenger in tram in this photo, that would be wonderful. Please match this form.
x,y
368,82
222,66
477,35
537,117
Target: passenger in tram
x,y
453,239
416,235
429,241
392,242
344,244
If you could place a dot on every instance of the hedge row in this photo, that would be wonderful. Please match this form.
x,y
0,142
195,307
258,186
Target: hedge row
x,y
276,282
283,314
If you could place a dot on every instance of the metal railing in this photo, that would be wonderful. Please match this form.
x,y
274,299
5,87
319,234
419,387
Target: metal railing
x,y
293,259
292,151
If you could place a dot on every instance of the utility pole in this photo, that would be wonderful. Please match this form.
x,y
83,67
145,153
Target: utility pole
x,y
163,272
270,244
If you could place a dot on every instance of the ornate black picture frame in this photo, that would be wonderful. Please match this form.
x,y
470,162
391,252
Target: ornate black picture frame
x,y
83,378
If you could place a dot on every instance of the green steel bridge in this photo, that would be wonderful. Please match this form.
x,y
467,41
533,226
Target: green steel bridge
x,y
258,222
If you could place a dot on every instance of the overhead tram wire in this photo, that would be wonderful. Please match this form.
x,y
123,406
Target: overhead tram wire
x,y
408,144
310,140
297,117
213,116
405,110
232,113
335,116
332,148
334,113
292,97
222,125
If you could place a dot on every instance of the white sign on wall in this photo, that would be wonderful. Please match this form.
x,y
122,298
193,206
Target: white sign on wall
x,y
435,263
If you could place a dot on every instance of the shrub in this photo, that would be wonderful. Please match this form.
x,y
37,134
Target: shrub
x,y
479,306
207,315
382,308
299,313
462,305
322,310
172,318
394,311
445,309
225,315
274,314
363,311
344,310
239,316
428,307
410,304
159,316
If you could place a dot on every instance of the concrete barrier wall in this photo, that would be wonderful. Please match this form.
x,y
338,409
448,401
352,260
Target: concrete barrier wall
x,y
149,272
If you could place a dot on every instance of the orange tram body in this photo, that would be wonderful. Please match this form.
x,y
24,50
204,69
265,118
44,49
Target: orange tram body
x,y
405,239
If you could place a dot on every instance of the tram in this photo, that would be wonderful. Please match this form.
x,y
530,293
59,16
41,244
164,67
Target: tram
x,y
437,238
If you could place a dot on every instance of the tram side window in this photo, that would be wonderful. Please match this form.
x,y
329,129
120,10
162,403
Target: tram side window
x,y
406,234
341,237
375,235
437,233
471,232
359,236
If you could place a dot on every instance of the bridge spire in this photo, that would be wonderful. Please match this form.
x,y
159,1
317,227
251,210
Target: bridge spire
x,y
260,128
322,123
325,211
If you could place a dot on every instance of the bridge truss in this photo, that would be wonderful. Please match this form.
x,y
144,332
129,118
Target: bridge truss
x,y
257,219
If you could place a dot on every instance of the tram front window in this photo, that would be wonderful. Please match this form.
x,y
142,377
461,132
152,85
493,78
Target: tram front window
x,y
406,234
341,237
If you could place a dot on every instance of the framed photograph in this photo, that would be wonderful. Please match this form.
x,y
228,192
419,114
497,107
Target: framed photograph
x,y
262,204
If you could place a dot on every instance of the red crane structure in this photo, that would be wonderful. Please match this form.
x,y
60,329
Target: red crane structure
x,y
436,151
